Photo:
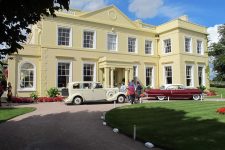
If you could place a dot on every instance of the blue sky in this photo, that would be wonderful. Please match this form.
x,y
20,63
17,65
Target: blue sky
x,y
208,13
204,12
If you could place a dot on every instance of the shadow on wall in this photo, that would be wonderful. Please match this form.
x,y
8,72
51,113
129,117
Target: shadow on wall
x,y
169,129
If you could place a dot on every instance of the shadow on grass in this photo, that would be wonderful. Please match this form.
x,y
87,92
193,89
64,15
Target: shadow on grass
x,y
169,129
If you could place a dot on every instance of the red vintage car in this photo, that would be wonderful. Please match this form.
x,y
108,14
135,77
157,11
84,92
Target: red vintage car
x,y
174,91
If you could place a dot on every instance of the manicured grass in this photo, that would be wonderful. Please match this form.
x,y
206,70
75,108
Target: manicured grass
x,y
180,125
8,113
219,91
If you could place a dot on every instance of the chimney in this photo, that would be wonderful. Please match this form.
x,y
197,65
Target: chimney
x,y
184,17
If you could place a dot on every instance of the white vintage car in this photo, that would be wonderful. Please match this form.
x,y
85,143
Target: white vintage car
x,y
84,91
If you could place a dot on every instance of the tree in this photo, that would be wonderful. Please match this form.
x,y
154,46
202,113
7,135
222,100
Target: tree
x,y
17,15
217,51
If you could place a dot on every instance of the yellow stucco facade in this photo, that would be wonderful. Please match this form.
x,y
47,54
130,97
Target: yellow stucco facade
x,y
106,46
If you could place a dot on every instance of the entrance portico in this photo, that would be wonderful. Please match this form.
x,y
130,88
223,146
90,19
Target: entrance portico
x,y
113,72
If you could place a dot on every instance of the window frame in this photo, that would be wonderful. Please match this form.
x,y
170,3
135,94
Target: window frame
x,y
192,75
107,42
136,44
202,47
70,73
34,77
203,75
164,48
70,37
94,38
153,75
164,73
190,44
94,72
152,51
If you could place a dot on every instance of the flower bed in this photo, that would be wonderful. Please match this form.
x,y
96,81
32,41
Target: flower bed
x,y
40,99
210,93
221,110
50,99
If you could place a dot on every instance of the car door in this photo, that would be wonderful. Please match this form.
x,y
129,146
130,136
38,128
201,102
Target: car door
x,y
178,92
87,92
99,93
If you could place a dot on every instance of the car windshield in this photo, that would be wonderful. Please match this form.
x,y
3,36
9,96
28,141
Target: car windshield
x,y
162,87
172,87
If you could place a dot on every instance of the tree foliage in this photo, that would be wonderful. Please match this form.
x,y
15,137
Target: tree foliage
x,y
17,15
217,51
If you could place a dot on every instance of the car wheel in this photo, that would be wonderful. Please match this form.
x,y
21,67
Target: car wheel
x,y
77,100
121,99
160,98
196,97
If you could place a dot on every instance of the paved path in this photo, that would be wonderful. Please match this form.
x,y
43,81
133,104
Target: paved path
x,y
55,126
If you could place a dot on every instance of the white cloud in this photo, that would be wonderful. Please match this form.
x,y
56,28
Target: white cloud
x,y
88,5
151,8
171,11
213,34
145,8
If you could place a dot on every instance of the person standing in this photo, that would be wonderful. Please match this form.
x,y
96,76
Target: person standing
x,y
131,92
3,86
123,88
138,90
1,92
9,94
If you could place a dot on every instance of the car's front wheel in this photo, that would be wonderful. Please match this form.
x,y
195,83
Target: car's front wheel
x,y
196,97
160,98
77,100
121,99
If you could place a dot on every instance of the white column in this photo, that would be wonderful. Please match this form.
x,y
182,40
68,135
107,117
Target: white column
x,y
131,74
106,76
112,77
126,76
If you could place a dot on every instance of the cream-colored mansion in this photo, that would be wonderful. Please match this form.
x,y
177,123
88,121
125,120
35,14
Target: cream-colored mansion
x,y
106,46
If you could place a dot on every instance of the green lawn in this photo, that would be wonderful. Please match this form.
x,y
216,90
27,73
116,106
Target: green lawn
x,y
180,125
8,113
219,91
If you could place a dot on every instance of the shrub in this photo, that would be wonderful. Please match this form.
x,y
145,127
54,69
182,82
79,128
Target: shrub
x,y
34,95
202,88
53,92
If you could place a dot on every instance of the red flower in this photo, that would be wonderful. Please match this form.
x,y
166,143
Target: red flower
x,y
221,110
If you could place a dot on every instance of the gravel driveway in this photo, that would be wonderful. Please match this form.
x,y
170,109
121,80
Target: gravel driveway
x,y
55,126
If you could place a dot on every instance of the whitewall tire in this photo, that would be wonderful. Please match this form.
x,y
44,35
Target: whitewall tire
x,y
77,100
196,97
161,98
121,99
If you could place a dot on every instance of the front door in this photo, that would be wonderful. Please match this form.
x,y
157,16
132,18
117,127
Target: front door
x,y
119,76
